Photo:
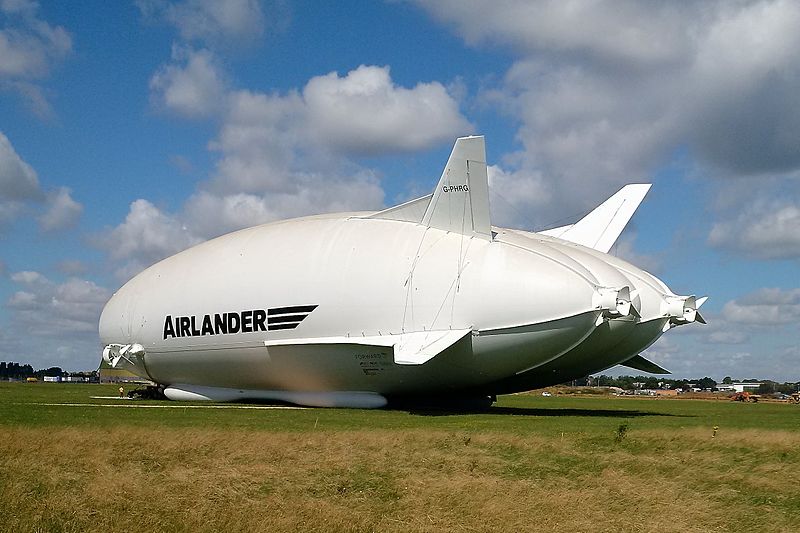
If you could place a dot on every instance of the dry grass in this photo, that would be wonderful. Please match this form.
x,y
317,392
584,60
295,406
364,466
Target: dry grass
x,y
196,479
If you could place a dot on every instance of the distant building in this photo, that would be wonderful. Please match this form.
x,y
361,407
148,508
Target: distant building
x,y
738,387
74,379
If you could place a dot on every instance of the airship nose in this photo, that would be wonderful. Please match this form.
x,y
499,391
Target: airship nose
x,y
115,320
112,327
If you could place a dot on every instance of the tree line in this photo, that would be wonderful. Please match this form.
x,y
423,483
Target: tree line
x,y
13,370
652,382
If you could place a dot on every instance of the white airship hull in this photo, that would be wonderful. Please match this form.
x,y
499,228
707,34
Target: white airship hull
x,y
426,299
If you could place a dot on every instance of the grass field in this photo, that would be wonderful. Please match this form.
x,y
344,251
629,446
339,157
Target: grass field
x,y
528,464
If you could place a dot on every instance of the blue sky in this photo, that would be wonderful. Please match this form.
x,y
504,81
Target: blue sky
x,y
129,131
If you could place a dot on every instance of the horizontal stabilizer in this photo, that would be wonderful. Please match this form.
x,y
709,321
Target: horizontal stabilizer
x,y
640,363
601,228
420,347
413,348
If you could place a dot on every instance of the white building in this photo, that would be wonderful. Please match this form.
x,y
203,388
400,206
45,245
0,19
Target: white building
x,y
738,387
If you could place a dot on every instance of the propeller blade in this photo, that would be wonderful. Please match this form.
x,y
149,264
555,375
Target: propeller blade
x,y
699,318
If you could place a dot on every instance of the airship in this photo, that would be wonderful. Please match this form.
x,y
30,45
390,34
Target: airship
x,y
426,300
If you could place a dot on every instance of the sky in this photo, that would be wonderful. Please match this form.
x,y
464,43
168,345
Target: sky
x,y
132,130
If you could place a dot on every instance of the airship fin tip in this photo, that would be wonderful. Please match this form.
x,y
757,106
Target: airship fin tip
x,y
601,228
640,363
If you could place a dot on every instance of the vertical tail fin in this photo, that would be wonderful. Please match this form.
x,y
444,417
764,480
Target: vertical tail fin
x,y
460,202
601,228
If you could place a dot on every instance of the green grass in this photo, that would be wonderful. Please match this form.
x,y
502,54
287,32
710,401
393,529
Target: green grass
x,y
23,404
530,463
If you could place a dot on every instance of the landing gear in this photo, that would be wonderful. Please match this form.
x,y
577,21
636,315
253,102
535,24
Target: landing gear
x,y
149,392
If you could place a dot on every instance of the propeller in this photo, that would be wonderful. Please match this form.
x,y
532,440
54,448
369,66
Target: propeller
x,y
615,303
114,353
682,310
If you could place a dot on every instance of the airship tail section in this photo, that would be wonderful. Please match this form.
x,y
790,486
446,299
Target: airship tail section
x,y
601,228
460,203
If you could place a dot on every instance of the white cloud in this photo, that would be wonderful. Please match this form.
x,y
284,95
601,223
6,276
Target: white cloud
x,y
762,354
146,236
283,156
33,96
259,141
210,21
18,180
29,278
182,163
29,47
768,306
193,85
62,211
18,183
19,7
72,267
22,300
20,190
664,352
48,308
51,318
625,249
365,112
720,331
728,337
280,156
764,229
514,195
314,195
627,32
745,76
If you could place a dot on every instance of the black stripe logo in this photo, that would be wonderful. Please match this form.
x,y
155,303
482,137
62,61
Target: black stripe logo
x,y
287,317
251,321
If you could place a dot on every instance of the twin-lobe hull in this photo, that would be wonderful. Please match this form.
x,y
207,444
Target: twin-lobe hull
x,y
422,299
